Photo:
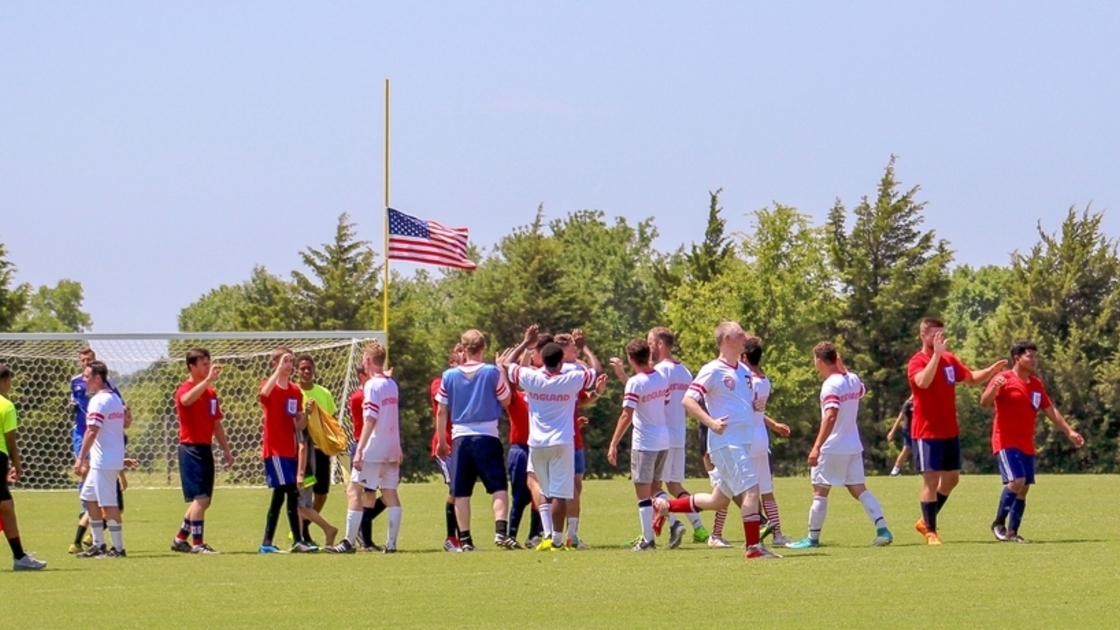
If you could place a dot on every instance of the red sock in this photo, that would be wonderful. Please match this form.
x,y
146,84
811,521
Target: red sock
x,y
682,505
750,528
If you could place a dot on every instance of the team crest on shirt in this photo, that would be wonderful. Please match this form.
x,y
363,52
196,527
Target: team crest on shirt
x,y
214,406
1036,399
293,406
729,382
951,375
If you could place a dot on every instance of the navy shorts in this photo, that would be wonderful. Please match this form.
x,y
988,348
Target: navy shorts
x,y
580,462
517,465
474,458
1015,464
322,472
937,455
5,492
280,471
907,441
196,471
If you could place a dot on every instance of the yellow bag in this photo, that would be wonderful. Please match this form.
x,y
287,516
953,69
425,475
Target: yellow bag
x,y
326,433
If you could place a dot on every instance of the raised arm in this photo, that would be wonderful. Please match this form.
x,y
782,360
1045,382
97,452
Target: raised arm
x,y
924,378
199,388
269,384
980,377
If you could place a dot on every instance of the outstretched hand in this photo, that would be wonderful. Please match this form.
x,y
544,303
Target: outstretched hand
x,y
532,333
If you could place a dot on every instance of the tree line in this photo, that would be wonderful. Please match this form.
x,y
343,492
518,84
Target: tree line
x,y
863,279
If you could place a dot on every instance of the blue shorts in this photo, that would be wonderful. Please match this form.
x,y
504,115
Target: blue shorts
x,y
580,462
1015,464
196,471
517,465
937,455
444,464
475,458
907,441
280,471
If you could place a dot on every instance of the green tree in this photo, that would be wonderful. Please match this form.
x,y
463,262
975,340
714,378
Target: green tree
x,y
55,309
343,286
12,298
218,310
891,275
271,303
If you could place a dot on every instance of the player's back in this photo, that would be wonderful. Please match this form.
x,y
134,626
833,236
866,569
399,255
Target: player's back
x,y
552,401
843,392
385,441
648,393
679,378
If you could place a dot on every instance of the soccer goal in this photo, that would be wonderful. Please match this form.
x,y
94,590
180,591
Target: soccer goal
x,y
147,368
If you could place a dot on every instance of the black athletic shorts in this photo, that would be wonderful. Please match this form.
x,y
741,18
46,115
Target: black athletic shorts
x,y
322,473
5,493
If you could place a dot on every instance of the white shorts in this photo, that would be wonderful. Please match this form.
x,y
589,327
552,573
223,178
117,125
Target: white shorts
x,y
100,486
674,465
735,471
713,476
379,475
761,465
555,470
838,470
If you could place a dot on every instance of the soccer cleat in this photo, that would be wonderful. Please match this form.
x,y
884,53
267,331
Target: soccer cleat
x,y
113,553
544,545
896,471
766,530
883,538
343,547
204,550
388,549
921,527
660,509
180,545
658,523
804,543
302,547
676,535
700,535
505,542
87,540
758,552
932,538
1016,538
999,531
644,545
373,547
717,542
781,540
576,543
467,547
533,542
75,549
269,548
29,563
452,545
91,552
556,547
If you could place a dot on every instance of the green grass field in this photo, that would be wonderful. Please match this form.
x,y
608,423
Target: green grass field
x,y
1067,578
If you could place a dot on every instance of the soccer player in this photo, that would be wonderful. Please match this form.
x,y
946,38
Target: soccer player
x,y
451,542
837,454
724,387
1018,395
377,460
517,466
103,444
472,397
573,344
321,396
760,446
902,422
643,406
11,467
282,403
552,395
934,373
371,508
200,421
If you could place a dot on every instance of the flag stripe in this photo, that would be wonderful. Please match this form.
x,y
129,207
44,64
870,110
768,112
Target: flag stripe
x,y
427,242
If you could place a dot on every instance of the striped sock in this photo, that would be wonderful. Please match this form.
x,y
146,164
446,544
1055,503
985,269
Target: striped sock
x,y
770,508
184,530
196,533
717,526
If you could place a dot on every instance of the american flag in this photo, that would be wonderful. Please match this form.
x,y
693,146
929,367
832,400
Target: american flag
x,y
427,242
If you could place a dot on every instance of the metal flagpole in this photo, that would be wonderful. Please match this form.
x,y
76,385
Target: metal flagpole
x,y
385,283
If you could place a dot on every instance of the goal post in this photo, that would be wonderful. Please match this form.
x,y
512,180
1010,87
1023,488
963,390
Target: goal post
x,y
147,368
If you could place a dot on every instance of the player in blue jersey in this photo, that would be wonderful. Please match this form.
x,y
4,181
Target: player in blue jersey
x,y
472,397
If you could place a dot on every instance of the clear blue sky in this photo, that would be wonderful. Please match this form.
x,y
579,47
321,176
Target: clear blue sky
x,y
154,150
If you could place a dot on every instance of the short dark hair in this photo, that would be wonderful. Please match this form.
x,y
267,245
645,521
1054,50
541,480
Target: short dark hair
x,y
638,351
98,368
1021,347
826,352
5,372
543,340
305,357
931,322
752,349
552,355
194,354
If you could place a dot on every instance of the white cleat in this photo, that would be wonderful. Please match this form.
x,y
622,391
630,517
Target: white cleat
x,y
717,542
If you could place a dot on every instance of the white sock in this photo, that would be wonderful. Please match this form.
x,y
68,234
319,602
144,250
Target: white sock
x,y
353,524
896,470
573,527
97,531
817,512
545,511
694,519
116,535
645,514
394,527
873,509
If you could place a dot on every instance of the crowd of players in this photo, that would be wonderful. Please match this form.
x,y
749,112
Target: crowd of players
x,y
541,386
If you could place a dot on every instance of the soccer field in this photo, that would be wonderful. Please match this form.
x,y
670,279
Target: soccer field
x,y
1067,578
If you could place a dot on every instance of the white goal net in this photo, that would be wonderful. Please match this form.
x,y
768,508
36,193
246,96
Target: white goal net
x,y
147,368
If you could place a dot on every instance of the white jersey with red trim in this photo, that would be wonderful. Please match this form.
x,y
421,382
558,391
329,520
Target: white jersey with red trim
x,y
106,412
842,392
647,393
381,408
761,443
552,398
725,389
679,378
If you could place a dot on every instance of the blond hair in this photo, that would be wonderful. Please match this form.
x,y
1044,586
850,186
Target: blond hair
x,y
375,352
473,341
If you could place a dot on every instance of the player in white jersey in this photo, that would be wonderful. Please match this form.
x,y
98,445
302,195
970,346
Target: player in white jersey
x,y
552,395
376,463
643,405
103,444
837,455
760,447
724,386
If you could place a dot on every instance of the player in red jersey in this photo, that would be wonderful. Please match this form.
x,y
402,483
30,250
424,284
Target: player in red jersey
x,y
1018,395
451,543
284,417
934,373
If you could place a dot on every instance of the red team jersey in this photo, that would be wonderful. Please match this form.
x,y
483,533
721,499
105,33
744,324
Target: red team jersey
x,y
433,389
518,419
935,407
1017,405
196,422
357,397
280,409
584,396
